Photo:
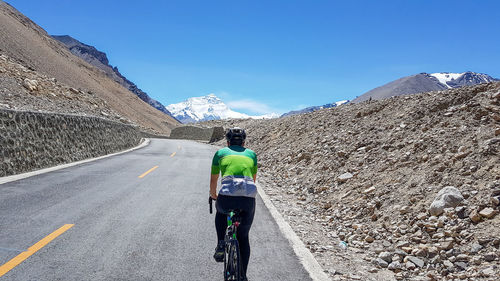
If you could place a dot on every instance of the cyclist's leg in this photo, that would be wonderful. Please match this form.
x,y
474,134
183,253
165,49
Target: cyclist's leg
x,y
247,216
220,225
247,206
222,205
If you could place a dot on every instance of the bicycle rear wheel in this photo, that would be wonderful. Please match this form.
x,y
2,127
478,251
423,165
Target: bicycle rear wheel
x,y
232,262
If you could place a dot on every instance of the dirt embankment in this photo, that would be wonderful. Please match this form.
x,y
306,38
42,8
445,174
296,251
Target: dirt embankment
x,y
367,173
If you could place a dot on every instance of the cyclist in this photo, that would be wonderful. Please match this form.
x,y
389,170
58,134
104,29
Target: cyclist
x,y
238,166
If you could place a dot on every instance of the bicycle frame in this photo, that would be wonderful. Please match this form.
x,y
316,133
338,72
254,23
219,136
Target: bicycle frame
x,y
232,226
232,251
231,247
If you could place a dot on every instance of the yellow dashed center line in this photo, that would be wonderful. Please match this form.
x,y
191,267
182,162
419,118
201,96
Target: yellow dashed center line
x,y
173,154
149,171
33,249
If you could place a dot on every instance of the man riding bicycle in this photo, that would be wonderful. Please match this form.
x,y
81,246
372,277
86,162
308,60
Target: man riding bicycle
x,y
238,166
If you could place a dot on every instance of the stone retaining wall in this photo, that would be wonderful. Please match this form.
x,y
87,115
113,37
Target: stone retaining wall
x,y
198,133
31,140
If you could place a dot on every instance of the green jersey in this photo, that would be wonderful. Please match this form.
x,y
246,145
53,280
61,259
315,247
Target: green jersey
x,y
237,165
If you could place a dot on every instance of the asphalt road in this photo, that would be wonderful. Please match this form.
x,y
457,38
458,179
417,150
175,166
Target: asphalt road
x,y
128,228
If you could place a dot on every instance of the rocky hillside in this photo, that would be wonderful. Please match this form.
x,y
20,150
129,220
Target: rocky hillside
x,y
100,60
28,44
424,82
366,175
27,90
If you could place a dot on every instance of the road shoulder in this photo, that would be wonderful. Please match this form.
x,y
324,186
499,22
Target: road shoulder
x,y
305,257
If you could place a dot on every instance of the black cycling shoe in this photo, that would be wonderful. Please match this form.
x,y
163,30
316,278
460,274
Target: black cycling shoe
x,y
219,252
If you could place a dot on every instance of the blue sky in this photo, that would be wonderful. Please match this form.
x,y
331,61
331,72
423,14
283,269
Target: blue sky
x,y
279,55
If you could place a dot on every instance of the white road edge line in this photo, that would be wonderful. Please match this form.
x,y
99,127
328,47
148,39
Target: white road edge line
x,y
310,264
144,142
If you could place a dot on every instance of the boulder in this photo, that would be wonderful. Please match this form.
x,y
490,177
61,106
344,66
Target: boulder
x,y
448,264
31,85
386,256
489,271
416,261
382,263
448,197
369,239
475,217
395,265
475,248
488,212
489,257
461,265
495,201
409,265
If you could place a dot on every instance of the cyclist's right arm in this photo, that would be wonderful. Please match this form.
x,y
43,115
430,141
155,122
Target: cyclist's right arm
x,y
213,185
214,175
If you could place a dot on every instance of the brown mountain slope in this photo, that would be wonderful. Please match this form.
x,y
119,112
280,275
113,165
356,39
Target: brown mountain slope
x,y
23,40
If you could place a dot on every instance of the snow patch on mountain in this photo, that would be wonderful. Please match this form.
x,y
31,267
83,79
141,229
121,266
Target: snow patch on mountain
x,y
337,103
265,116
209,107
454,80
445,77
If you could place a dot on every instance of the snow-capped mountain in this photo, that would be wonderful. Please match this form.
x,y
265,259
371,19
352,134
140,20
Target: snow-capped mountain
x,y
209,107
424,82
455,80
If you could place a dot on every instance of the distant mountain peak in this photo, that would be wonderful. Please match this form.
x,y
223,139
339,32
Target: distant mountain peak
x,y
78,48
315,108
425,82
204,108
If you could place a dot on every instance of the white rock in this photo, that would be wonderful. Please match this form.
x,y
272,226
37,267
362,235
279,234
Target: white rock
x,y
345,177
369,190
447,197
31,85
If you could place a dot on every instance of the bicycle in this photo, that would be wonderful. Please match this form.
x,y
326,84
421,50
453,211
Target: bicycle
x,y
232,260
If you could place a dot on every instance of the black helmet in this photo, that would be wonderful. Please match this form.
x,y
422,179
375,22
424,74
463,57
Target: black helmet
x,y
236,134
